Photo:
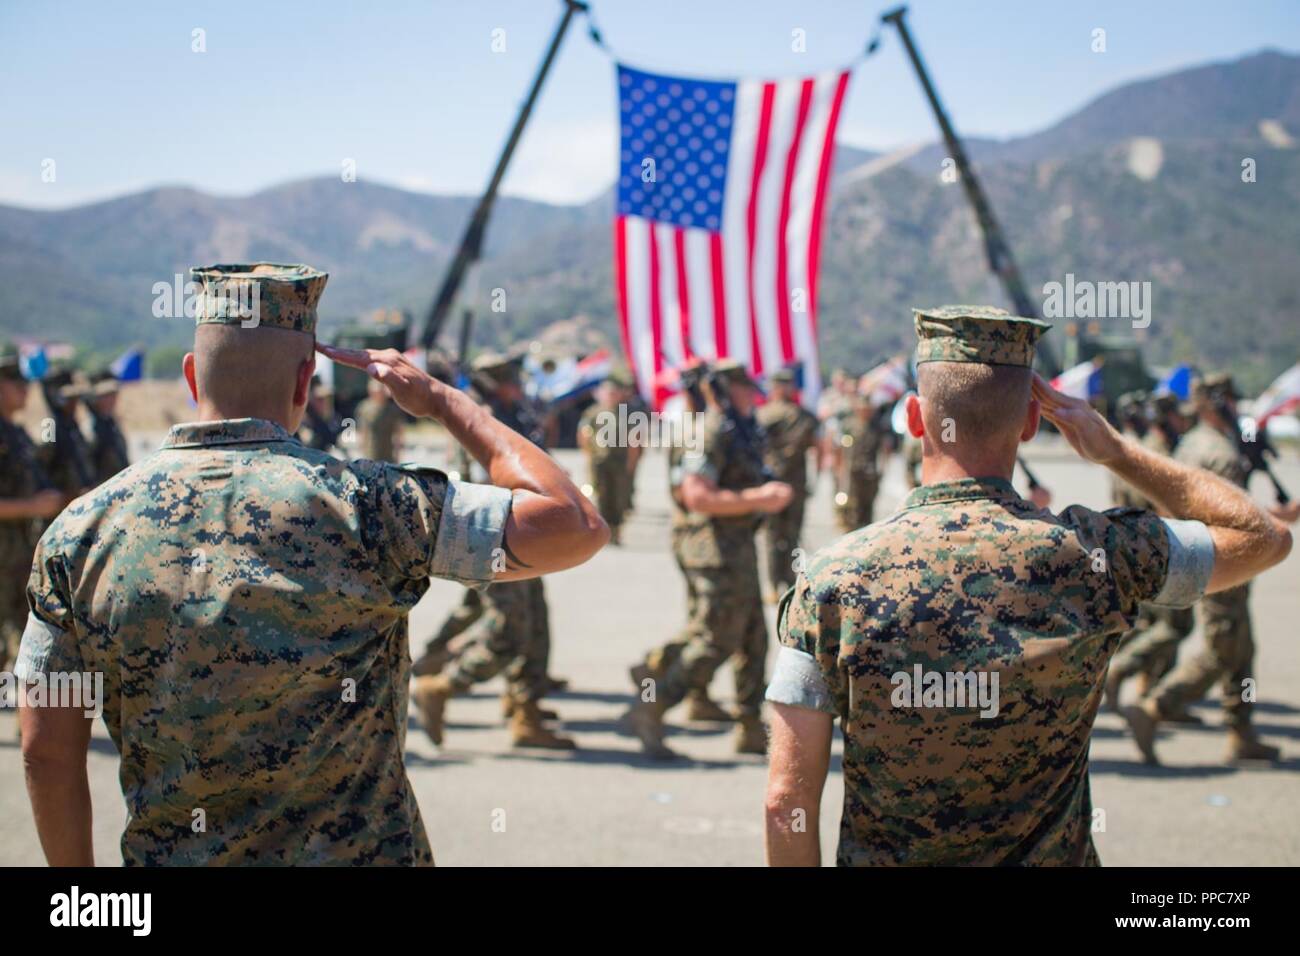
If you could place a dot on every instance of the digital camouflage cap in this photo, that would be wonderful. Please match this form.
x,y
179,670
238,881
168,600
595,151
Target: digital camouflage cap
x,y
259,294
976,333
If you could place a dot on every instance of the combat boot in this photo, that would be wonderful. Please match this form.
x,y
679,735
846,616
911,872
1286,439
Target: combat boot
x,y
527,729
702,708
1114,680
751,735
431,663
643,671
1143,726
430,697
508,708
1244,745
1184,717
645,719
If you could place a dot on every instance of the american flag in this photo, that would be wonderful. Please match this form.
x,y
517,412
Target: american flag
x,y
721,194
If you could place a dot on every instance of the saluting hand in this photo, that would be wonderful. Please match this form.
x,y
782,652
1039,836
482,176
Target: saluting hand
x,y
413,390
1083,426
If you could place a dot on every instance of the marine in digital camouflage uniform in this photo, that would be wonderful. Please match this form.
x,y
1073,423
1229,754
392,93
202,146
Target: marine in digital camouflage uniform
x,y
858,446
22,477
791,432
379,421
609,462
1227,657
699,705
321,427
108,454
1149,650
720,559
508,627
66,456
968,578
245,599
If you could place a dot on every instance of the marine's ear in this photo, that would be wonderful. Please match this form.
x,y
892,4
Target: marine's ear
x,y
187,366
1032,417
915,423
302,386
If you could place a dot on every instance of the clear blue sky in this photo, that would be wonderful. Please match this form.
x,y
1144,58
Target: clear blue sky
x,y
415,95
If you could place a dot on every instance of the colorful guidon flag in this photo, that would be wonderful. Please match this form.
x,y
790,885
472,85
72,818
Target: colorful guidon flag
x,y
722,191
1281,397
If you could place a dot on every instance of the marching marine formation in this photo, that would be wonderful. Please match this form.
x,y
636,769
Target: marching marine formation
x,y
723,492
1227,657
963,641
1148,652
507,627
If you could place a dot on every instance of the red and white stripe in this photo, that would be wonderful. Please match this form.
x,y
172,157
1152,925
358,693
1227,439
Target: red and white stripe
x,y
749,291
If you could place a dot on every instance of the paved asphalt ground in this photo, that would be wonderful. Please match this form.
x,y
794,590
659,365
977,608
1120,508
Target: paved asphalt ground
x,y
486,804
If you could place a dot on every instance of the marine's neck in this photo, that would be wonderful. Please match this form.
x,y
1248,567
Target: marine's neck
x,y
936,469
211,412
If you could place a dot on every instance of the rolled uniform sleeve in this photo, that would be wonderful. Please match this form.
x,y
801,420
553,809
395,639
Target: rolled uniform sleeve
x,y
422,524
470,532
1191,562
806,673
49,644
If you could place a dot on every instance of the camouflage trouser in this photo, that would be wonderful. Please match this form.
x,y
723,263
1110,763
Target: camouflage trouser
x,y
859,506
13,613
782,538
1152,646
613,488
458,621
726,621
513,636
1227,658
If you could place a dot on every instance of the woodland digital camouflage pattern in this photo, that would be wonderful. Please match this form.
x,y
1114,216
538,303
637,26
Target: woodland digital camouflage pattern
x,y
1228,652
510,634
246,601
791,433
287,295
976,333
969,577
720,561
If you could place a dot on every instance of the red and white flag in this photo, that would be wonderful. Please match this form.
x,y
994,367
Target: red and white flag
x,y
1279,398
717,234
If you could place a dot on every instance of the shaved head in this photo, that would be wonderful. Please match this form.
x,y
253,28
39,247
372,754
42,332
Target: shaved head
x,y
986,403
251,373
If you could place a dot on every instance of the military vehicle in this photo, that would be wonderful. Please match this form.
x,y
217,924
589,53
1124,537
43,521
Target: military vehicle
x,y
381,329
